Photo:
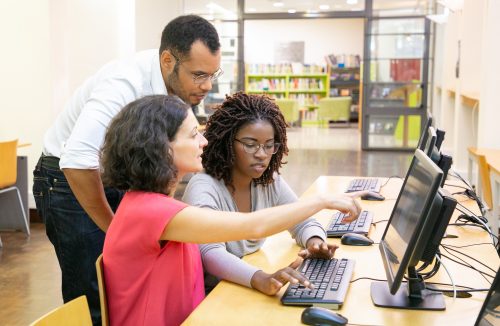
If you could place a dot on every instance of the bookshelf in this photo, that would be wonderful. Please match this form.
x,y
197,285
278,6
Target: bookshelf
x,y
278,81
345,81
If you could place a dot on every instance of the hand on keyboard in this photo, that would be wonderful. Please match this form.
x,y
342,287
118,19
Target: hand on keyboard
x,y
317,248
347,204
271,284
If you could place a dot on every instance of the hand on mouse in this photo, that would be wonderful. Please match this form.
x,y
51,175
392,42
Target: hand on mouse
x,y
271,284
317,248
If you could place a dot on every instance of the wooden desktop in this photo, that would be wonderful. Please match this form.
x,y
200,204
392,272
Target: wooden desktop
x,y
231,304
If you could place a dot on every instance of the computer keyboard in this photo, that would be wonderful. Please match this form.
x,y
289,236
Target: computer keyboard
x,y
364,184
361,225
331,278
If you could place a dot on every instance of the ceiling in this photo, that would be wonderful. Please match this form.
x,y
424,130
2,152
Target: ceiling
x,y
226,9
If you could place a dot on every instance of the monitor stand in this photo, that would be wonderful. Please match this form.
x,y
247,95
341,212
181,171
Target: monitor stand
x,y
411,295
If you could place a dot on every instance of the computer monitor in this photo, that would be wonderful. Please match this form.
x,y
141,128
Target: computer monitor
x,y
423,135
413,234
490,311
430,143
433,140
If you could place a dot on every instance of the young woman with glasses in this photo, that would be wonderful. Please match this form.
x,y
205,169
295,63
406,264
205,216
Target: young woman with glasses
x,y
246,145
152,267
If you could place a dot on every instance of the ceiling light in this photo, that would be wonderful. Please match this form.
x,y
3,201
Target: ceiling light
x,y
251,10
324,7
352,2
278,4
292,11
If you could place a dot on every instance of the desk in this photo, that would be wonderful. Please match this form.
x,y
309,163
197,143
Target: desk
x,y
494,168
230,304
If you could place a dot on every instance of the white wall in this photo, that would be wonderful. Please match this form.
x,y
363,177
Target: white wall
x,y
49,47
476,26
151,17
25,74
489,110
321,37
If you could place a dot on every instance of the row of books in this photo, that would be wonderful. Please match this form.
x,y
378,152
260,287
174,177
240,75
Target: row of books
x,y
343,60
306,99
267,84
306,83
284,68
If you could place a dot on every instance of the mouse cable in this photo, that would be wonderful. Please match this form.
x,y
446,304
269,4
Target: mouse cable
x,y
483,274
374,223
367,278
449,275
457,175
456,186
465,263
471,245
484,219
462,288
391,177
480,220
470,257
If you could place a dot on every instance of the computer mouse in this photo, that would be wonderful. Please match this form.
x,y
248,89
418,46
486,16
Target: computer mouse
x,y
355,239
373,196
322,316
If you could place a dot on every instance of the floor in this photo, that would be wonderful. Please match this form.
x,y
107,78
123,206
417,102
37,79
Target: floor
x,y
30,276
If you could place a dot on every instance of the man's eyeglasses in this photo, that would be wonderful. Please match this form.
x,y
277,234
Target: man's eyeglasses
x,y
252,148
200,79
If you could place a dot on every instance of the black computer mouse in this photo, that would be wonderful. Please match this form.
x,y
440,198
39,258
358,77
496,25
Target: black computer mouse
x,y
355,239
373,196
322,316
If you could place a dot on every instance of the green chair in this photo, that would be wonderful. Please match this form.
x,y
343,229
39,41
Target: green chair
x,y
335,109
290,109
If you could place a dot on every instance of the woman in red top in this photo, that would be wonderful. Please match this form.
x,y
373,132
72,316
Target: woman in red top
x,y
152,265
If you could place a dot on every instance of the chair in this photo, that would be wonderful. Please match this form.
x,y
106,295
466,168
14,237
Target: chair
x,y
102,291
334,108
289,107
75,312
12,213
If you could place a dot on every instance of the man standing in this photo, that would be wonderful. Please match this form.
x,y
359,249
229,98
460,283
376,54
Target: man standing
x,y
69,194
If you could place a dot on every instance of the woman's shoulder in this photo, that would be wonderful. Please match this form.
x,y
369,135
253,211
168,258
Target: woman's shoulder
x,y
202,178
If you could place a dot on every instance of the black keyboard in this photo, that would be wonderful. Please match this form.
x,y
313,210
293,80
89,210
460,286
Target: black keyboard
x,y
364,184
331,278
361,225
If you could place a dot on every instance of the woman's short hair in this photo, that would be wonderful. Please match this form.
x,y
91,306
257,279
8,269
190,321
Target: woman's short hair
x,y
136,154
235,112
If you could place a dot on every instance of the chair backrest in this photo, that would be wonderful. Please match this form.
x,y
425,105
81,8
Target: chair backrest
x,y
75,312
334,108
289,108
484,175
102,291
8,163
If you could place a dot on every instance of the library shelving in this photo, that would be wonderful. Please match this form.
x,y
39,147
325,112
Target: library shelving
x,y
345,81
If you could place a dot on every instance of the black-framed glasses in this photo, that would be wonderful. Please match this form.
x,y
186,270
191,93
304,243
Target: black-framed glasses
x,y
200,79
252,148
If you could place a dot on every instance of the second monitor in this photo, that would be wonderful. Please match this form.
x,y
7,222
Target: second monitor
x,y
413,234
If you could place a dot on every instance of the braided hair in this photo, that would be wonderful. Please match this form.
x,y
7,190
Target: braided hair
x,y
235,112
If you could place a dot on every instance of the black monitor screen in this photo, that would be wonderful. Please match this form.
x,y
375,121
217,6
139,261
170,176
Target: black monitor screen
x,y
430,143
490,312
423,135
408,217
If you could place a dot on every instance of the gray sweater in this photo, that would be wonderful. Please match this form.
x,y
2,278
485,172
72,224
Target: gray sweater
x,y
222,260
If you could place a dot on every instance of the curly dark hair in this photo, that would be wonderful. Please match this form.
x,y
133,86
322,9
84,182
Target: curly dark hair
x,y
136,154
234,113
183,31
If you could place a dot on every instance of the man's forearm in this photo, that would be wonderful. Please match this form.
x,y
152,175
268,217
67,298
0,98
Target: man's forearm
x,y
88,189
